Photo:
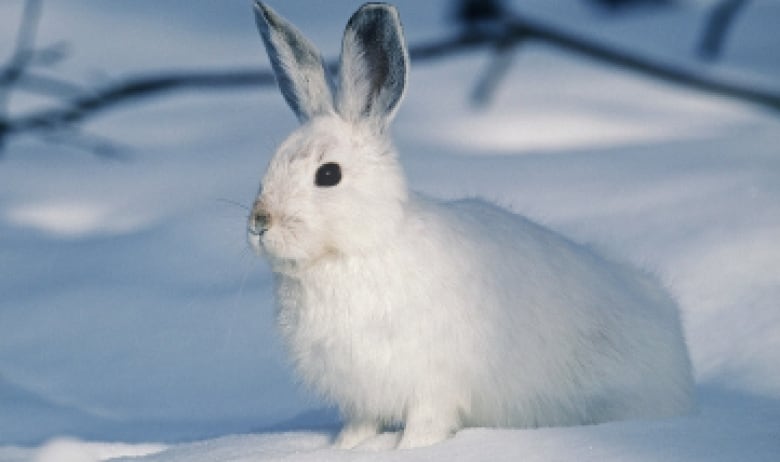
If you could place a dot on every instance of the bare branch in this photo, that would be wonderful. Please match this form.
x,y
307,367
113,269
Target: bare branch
x,y
674,73
513,29
136,88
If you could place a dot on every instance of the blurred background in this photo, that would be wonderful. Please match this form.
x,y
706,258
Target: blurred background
x,y
133,136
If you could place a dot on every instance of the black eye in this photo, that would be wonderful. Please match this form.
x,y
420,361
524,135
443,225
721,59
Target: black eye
x,y
328,174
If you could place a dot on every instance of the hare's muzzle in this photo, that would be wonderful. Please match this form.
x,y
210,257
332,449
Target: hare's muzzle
x,y
259,220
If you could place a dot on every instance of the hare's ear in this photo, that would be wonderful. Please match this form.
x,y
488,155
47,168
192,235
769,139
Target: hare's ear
x,y
297,64
373,67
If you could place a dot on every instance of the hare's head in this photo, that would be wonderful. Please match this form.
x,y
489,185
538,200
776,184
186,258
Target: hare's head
x,y
334,186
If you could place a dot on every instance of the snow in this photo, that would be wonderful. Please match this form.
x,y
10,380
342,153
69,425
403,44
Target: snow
x,y
134,321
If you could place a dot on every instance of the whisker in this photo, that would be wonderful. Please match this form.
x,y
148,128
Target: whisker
x,y
232,202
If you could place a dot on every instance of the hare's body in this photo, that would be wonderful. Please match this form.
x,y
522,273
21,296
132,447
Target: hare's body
x,y
404,310
524,329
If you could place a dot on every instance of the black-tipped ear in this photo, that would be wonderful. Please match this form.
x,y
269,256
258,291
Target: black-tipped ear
x,y
297,64
374,63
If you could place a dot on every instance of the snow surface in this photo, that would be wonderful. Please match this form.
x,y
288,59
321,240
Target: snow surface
x,y
135,321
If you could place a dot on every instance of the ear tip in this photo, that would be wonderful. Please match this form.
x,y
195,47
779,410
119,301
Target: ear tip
x,y
259,6
263,14
378,7
375,14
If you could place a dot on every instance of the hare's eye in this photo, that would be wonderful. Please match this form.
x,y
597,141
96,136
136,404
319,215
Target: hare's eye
x,y
328,174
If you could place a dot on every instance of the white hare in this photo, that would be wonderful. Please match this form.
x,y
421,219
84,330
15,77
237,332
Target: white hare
x,y
404,310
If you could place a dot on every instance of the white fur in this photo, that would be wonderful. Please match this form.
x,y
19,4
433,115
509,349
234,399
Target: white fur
x,y
401,309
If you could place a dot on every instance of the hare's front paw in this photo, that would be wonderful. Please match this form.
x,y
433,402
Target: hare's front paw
x,y
422,437
424,428
354,433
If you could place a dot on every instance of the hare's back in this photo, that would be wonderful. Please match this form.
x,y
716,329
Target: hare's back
x,y
592,322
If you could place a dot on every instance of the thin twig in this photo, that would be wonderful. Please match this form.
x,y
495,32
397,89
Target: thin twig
x,y
20,59
51,87
719,21
495,73
78,139
23,51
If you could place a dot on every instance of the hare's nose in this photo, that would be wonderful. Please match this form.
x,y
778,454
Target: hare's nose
x,y
259,221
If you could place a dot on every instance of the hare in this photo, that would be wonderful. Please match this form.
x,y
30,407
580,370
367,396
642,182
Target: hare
x,y
403,310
